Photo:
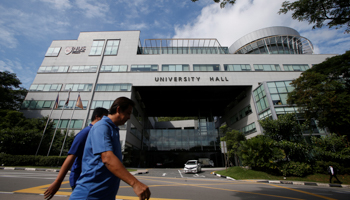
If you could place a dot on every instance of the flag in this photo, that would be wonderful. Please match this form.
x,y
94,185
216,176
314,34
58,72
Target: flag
x,y
79,102
56,102
67,101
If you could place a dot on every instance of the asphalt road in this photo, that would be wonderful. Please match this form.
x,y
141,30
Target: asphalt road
x,y
169,184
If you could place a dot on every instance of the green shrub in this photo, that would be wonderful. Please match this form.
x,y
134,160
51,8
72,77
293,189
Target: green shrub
x,y
321,167
292,168
31,160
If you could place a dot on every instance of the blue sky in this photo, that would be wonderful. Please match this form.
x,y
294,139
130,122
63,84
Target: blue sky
x,y
27,27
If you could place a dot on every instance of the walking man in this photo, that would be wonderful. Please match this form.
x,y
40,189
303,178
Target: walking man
x,y
75,155
102,167
332,172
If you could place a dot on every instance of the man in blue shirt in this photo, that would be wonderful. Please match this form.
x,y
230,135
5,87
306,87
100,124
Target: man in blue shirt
x,y
75,155
102,167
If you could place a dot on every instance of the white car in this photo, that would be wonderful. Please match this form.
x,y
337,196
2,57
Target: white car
x,y
192,166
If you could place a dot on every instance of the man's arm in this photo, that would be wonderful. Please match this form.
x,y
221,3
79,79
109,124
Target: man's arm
x,y
114,165
51,191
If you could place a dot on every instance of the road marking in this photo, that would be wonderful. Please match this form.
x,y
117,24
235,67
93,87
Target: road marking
x,y
164,174
180,173
309,193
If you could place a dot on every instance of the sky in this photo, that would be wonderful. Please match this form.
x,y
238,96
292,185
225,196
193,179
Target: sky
x,y
27,27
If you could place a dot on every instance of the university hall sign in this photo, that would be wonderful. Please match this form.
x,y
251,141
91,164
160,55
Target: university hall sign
x,y
189,79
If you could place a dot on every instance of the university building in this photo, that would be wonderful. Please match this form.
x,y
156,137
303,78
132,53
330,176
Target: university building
x,y
189,77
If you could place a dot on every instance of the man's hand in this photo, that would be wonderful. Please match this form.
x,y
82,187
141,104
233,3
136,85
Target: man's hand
x,y
51,191
141,190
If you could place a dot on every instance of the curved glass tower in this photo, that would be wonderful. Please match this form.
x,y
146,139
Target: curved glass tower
x,y
272,40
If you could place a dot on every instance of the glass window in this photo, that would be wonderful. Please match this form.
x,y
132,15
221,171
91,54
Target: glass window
x,y
237,67
215,67
296,67
53,51
267,67
78,87
175,67
25,104
96,47
144,68
114,68
112,47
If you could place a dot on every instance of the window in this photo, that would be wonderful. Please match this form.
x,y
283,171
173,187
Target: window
x,y
96,47
241,114
85,68
71,104
260,98
265,115
73,124
173,68
101,103
114,68
78,87
296,67
215,67
279,91
144,68
53,69
32,104
244,67
248,129
45,87
275,67
114,87
53,51
112,47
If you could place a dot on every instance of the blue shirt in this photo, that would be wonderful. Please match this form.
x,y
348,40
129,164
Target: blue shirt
x,y
77,149
96,181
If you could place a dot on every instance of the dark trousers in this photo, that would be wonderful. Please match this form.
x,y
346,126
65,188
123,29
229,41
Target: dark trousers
x,y
331,176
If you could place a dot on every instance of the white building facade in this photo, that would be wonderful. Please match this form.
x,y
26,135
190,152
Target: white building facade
x,y
236,86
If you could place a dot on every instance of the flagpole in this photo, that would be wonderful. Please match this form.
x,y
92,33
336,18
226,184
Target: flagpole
x,y
45,128
58,123
55,131
67,129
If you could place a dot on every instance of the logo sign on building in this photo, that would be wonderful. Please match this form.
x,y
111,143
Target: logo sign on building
x,y
75,50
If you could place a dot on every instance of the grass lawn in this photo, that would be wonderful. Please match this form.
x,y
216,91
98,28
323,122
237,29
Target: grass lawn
x,y
240,173
43,167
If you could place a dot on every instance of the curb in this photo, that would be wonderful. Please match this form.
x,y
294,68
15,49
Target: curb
x,y
302,183
139,172
30,169
289,182
227,177
57,170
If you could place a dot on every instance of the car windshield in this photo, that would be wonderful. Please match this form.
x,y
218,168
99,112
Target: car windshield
x,y
191,163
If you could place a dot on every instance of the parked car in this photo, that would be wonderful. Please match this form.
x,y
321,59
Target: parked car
x,y
192,166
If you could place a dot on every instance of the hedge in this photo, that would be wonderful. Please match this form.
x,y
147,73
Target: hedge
x,y
31,160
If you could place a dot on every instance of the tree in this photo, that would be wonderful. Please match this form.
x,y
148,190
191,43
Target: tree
x,y
332,13
323,93
260,153
21,136
12,95
222,2
288,135
233,140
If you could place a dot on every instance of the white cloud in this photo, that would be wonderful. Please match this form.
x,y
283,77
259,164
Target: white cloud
x,y
7,38
93,9
233,22
59,4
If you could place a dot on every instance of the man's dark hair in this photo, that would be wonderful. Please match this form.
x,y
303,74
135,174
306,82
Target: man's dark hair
x,y
123,103
99,112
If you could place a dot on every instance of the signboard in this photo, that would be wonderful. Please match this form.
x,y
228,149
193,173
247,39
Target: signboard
x,y
75,50
223,147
